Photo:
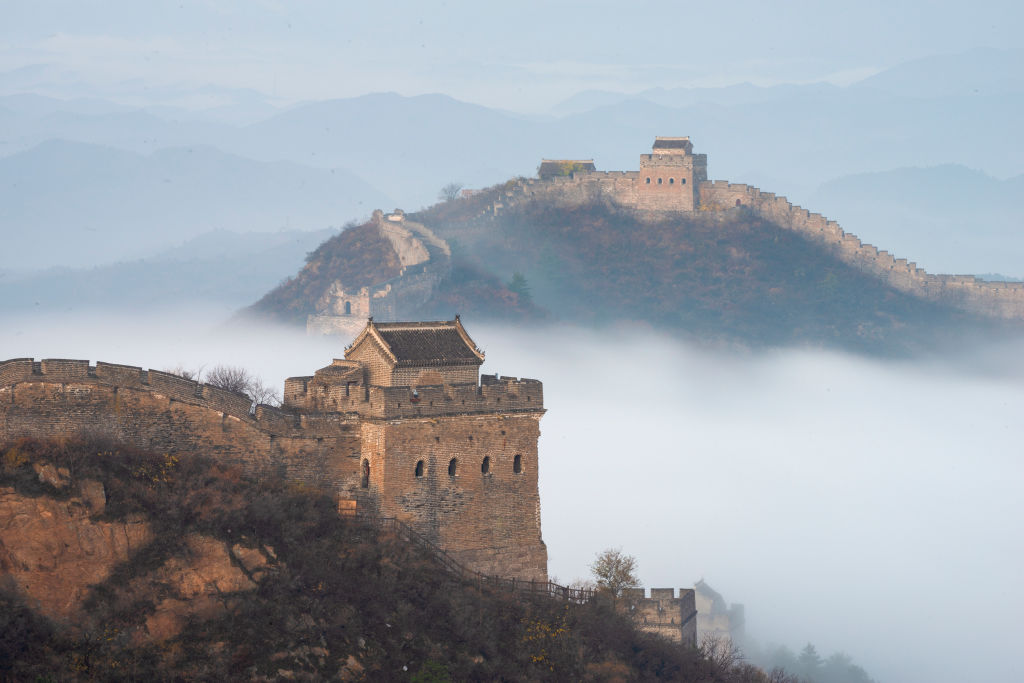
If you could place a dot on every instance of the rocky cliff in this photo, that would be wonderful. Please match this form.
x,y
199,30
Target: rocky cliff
x,y
121,565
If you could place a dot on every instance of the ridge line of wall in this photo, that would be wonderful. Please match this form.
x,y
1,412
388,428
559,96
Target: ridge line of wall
x,y
966,292
1003,300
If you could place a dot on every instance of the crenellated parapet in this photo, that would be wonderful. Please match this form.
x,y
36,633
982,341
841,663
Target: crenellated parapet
x,y
672,179
966,292
81,372
404,427
347,393
664,612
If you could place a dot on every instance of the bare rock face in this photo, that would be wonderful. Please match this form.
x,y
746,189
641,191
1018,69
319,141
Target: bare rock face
x,y
57,477
199,583
53,551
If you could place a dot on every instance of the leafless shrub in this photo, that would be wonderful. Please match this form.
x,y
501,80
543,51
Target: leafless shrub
x,y
779,675
720,650
229,378
263,393
449,192
241,381
180,370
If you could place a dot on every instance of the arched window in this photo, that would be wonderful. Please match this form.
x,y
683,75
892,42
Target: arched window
x,y
419,468
659,181
682,181
671,181
517,464
452,467
739,203
348,308
365,483
648,181
485,466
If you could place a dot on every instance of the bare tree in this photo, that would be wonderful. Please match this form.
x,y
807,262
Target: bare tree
x,y
186,373
720,650
241,381
263,393
449,192
614,570
229,378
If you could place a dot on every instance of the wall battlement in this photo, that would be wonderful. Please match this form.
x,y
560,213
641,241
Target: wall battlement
x,y
994,299
350,394
664,612
61,370
457,461
630,190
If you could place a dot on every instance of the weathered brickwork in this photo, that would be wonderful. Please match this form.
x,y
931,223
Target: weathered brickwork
x,y
716,619
388,448
684,187
664,613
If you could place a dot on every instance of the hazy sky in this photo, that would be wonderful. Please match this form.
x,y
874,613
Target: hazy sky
x,y
522,55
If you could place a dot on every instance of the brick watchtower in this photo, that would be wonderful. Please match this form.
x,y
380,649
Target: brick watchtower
x,y
449,451
670,176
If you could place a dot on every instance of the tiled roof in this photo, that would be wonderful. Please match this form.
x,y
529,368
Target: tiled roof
x,y
673,143
429,343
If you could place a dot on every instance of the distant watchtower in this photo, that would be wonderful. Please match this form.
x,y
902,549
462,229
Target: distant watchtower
x,y
671,175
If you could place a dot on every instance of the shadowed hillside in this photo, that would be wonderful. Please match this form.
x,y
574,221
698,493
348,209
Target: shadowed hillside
x,y
130,566
712,275
725,277
361,257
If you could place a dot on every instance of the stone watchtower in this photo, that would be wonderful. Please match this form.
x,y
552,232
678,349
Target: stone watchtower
x,y
449,451
670,176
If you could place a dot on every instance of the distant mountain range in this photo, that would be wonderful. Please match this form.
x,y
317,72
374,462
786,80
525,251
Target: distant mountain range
x,y
922,113
74,204
86,181
950,219
221,270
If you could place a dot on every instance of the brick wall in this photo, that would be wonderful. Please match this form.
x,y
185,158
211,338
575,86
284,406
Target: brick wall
x,y
490,520
664,613
332,424
994,299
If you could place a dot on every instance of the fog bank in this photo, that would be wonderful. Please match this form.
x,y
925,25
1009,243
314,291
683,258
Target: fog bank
x,y
870,507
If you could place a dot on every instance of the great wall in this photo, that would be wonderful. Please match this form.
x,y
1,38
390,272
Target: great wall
x,y
672,179
403,432
403,427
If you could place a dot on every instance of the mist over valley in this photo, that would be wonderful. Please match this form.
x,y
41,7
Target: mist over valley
x,y
736,391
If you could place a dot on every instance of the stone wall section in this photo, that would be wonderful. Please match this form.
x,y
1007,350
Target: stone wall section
x,y
629,190
434,476
665,613
333,425
165,413
966,292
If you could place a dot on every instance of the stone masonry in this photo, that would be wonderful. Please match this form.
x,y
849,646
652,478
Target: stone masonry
x,y
425,260
404,426
673,179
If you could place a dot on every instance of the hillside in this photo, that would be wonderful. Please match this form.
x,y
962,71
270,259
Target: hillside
x,y
724,277
123,565
362,257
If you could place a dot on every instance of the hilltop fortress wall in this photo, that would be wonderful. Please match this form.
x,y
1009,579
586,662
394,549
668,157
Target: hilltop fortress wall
x,y
166,413
384,449
654,199
993,299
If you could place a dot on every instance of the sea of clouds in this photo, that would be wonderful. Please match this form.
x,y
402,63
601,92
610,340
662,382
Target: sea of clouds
x,y
866,506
